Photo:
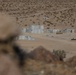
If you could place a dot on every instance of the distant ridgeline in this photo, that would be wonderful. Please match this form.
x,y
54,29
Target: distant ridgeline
x,y
50,13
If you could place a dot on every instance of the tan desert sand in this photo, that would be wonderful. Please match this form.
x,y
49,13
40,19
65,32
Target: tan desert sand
x,y
52,14
51,42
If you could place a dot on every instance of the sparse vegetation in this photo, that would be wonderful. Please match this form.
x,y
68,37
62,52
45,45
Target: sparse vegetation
x,y
40,61
57,12
61,54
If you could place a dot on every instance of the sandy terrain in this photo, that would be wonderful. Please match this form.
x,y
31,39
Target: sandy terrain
x,y
59,14
50,42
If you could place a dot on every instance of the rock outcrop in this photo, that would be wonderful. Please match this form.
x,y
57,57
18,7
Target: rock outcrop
x,y
42,54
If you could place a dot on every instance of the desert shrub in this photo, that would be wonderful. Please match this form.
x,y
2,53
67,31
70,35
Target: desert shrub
x,y
61,54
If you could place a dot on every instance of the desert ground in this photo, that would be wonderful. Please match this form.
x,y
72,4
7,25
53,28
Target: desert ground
x,y
51,14
51,42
